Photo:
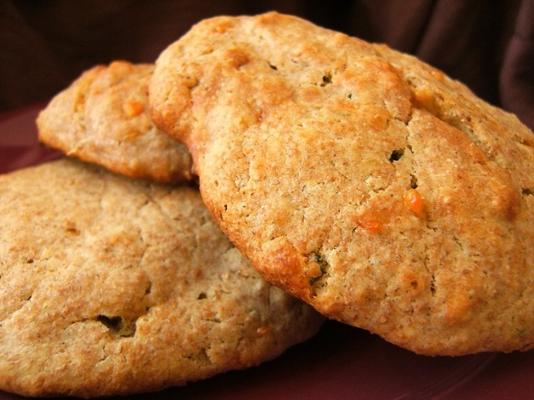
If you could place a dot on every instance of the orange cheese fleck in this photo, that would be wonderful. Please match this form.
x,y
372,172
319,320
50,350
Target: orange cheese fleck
x,y
370,224
133,108
414,202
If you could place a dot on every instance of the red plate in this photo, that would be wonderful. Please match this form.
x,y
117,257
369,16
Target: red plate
x,y
341,362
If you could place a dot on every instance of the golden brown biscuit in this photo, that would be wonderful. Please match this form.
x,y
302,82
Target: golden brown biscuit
x,y
363,181
103,118
114,286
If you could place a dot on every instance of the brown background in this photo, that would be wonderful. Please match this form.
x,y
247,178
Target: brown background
x,y
487,44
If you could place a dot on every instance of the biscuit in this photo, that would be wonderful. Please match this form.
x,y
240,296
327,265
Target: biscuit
x,y
103,118
363,181
111,286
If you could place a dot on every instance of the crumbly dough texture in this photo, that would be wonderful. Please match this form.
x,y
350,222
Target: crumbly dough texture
x,y
114,286
103,118
362,180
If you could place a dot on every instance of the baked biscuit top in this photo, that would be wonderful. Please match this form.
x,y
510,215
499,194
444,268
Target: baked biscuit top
x,y
112,286
103,118
362,180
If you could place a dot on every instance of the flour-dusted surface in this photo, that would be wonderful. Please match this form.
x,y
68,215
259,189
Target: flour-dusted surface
x,y
362,180
114,286
103,118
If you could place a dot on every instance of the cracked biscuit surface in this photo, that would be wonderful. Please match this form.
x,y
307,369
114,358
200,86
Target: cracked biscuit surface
x,y
103,118
114,286
363,181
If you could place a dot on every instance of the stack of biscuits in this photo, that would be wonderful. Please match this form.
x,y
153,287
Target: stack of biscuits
x,y
263,174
